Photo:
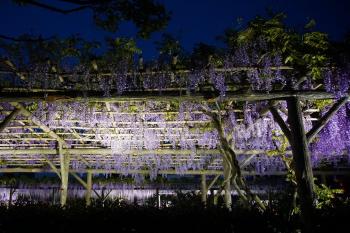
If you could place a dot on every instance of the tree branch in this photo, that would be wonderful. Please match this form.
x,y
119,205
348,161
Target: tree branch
x,y
230,155
16,39
299,81
83,2
56,9
325,119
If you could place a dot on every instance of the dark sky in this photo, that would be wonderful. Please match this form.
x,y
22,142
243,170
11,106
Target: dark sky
x,y
192,21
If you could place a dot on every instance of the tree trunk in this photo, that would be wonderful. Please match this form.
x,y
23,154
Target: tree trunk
x,y
12,192
227,185
302,164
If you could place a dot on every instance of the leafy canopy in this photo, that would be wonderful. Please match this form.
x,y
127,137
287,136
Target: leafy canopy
x,y
147,15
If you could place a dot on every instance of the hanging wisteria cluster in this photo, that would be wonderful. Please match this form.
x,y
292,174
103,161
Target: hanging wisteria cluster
x,y
332,144
135,131
138,132
243,67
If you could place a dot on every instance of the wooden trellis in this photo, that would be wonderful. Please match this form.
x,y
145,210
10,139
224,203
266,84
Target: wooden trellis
x,y
35,152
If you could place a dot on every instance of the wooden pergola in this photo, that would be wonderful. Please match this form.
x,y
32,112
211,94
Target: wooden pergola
x,y
29,145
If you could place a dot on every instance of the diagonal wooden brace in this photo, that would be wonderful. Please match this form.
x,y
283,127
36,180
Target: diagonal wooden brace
x,y
9,118
326,118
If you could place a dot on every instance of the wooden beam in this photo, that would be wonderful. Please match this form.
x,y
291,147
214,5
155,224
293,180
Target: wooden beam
x,y
173,112
88,184
326,118
213,182
9,118
42,126
46,129
77,136
80,180
53,167
32,132
246,161
152,72
76,96
277,117
167,172
103,151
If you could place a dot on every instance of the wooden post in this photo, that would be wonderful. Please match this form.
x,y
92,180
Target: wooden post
x,y
159,200
227,185
64,162
88,188
204,189
12,192
302,164
53,196
158,204
215,199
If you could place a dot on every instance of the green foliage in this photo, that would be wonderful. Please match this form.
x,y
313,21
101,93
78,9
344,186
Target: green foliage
x,y
321,104
32,107
311,24
204,55
281,143
307,51
55,53
230,38
126,46
282,149
315,57
20,2
52,52
171,53
186,199
169,45
120,49
9,182
325,195
133,109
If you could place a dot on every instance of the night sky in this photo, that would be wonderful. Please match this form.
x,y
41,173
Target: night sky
x,y
192,21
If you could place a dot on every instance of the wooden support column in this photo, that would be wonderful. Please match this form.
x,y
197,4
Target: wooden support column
x,y
227,184
204,189
64,162
302,166
88,188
